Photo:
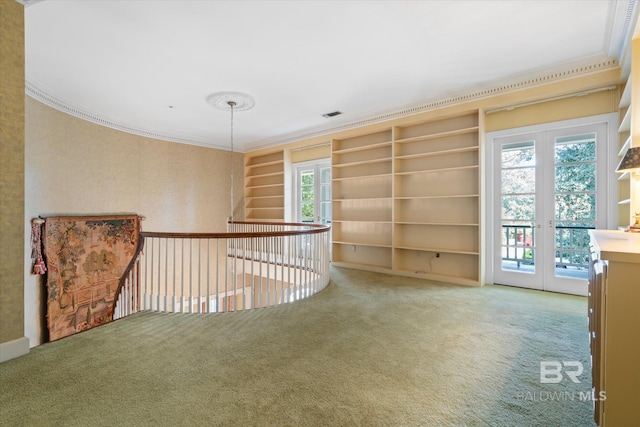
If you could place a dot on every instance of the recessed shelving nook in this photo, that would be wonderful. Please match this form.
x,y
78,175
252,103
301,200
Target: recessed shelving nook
x,y
407,199
264,187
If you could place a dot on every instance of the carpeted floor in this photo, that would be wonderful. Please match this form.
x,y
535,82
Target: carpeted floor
x,y
370,350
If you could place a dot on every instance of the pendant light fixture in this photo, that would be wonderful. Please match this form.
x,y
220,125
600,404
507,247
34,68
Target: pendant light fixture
x,y
231,101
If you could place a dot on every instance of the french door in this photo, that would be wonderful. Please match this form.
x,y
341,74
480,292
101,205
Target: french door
x,y
313,192
549,189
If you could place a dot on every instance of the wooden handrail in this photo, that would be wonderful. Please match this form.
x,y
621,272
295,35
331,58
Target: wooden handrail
x,y
312,229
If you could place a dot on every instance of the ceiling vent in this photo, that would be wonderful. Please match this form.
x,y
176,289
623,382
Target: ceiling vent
x,y
335,113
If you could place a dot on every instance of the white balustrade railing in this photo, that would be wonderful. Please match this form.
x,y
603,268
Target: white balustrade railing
x,y
253,265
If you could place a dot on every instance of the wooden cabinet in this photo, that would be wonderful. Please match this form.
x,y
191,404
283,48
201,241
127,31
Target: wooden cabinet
x,y
614,322
407,200
264,187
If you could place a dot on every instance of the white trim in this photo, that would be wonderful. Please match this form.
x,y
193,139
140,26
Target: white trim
x,y
610,120
582,67
316,165
12,349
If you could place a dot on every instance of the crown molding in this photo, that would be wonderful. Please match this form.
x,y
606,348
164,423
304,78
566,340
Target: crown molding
x,y
584,67
27,3
622,20
505,86
57,104
622,15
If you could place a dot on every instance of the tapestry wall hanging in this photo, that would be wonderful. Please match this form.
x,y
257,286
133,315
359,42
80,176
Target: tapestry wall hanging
x,y
85,257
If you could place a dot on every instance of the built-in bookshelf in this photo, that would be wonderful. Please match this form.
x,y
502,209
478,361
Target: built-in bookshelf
x,y
406,200
362,184
264,187
436,199
624,179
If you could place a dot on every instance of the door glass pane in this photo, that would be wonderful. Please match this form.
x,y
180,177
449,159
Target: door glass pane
x,y
517,192
325,195
307,203
575,203
325,175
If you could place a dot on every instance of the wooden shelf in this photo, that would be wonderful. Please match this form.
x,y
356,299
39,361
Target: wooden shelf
x,y
413,192
625,184
625,147
276,156
362,142
437,250
357,255
264,186
454,267
625,176
363,162
453,224
362,148
363,266
438,153
265,202
362,198
357,243
370,233
254,165
439,135
438,236
269,208
369,170
265,175
446,196
625,124
380,175
452,169
265,197
625,98
336,221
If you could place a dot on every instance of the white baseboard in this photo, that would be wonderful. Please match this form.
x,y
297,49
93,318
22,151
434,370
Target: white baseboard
x,y
12,349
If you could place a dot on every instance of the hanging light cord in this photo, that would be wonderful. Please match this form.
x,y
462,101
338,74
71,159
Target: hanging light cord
x,y
231,105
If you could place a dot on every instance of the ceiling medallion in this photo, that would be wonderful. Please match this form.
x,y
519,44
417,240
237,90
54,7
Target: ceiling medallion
x,y
225,100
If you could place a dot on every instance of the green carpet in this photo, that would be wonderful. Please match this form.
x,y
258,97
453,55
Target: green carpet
x,y
370,350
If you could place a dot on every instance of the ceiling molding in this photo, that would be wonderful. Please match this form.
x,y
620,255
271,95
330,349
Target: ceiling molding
x,y
28,3
613,47
623,14
40,95
620,19
476,94
473,95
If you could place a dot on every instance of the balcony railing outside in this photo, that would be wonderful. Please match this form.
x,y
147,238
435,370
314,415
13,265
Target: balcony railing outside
x,y
253,265
571,247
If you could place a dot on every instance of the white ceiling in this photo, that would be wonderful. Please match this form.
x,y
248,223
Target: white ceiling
x,y
146,67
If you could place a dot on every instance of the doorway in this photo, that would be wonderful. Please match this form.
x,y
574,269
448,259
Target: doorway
x,y
549,187
313,192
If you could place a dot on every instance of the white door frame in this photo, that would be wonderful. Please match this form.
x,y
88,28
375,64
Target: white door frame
x,y
611,196
317,164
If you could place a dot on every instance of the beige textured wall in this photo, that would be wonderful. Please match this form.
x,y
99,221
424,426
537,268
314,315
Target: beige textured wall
x,y
11,170
77,167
